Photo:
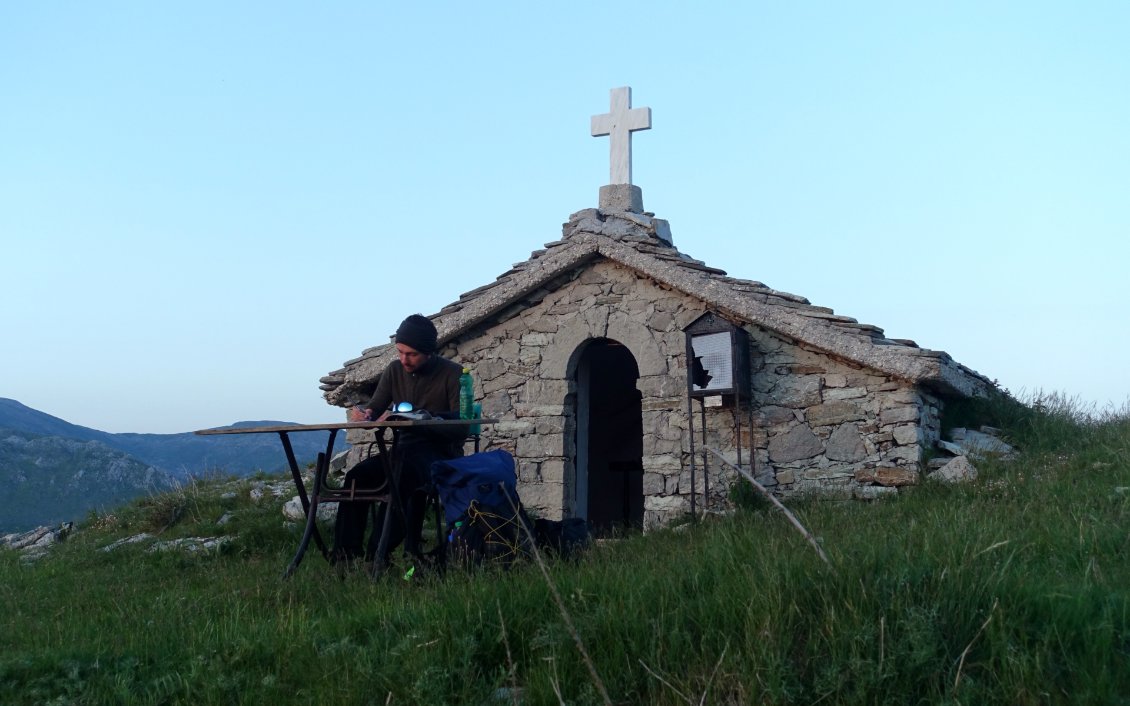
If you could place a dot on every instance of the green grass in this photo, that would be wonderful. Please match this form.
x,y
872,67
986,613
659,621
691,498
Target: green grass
x,y
1014,589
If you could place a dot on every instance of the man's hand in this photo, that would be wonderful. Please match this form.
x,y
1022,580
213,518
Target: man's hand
x,y
360,414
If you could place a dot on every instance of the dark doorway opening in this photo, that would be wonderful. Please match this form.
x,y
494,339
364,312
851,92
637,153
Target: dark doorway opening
x,y
612,442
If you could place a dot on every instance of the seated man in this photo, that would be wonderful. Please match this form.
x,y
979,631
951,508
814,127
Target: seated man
x,y
431,383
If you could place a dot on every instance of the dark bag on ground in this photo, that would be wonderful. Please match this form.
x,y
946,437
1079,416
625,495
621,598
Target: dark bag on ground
x,y
489,535
485,520
565,538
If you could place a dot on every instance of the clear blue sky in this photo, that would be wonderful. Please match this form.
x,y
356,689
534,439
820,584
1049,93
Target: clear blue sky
x,y
206,206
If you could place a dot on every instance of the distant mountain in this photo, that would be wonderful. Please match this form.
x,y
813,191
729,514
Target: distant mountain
x,y
14,415
52,471
182,455
51,479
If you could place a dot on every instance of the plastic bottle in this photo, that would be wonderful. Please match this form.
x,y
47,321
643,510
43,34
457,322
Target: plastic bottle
x,y
476,429
466,395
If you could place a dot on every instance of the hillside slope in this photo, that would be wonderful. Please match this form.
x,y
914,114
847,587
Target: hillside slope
x,y
55,471
1013,588
182,455
49,479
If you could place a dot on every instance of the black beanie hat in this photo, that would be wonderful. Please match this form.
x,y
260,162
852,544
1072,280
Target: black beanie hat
x,y
417,332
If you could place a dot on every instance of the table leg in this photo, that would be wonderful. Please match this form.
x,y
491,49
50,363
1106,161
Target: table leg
x,y
297,474
391,505
321,468
379,564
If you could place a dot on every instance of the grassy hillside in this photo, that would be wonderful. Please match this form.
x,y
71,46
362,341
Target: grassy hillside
x,y
1014,589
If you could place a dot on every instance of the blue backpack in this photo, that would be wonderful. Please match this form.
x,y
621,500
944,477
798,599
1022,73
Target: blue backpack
x,y
485,520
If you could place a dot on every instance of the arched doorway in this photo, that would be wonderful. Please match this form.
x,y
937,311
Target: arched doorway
x,y
609,437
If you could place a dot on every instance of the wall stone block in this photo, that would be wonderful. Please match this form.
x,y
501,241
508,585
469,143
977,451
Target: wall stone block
x,y
772,415
833,413
507,381
544,391
555,358
538,339
544,498
846,444
865,475
789,370
903,396
530,355
826,474
683,482
552,470
897,415
664,464
798,392
527,471
896,477
638,308
845,393
906,454
906,435
835,380
549,425
536,445
507,427
662,321
796,444
664,425
861,379
667,503
563,309
651,360
542,325
654,483
659,403
760,437
538,410
662,446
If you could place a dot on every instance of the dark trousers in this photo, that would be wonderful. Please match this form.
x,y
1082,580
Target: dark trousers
x,y
411,465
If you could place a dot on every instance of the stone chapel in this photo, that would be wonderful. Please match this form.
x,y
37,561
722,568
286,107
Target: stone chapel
x,y
621,368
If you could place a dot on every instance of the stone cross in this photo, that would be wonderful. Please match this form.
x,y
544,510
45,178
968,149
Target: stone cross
x,y
619,124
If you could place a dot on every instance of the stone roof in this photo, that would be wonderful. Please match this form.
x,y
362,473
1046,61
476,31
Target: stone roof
x,y
641,242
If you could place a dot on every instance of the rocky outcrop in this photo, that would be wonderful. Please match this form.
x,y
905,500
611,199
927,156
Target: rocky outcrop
x,y
955,464
957,469
34,544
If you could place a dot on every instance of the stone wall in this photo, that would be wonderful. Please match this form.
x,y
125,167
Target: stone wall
x,y
822,425
818,424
